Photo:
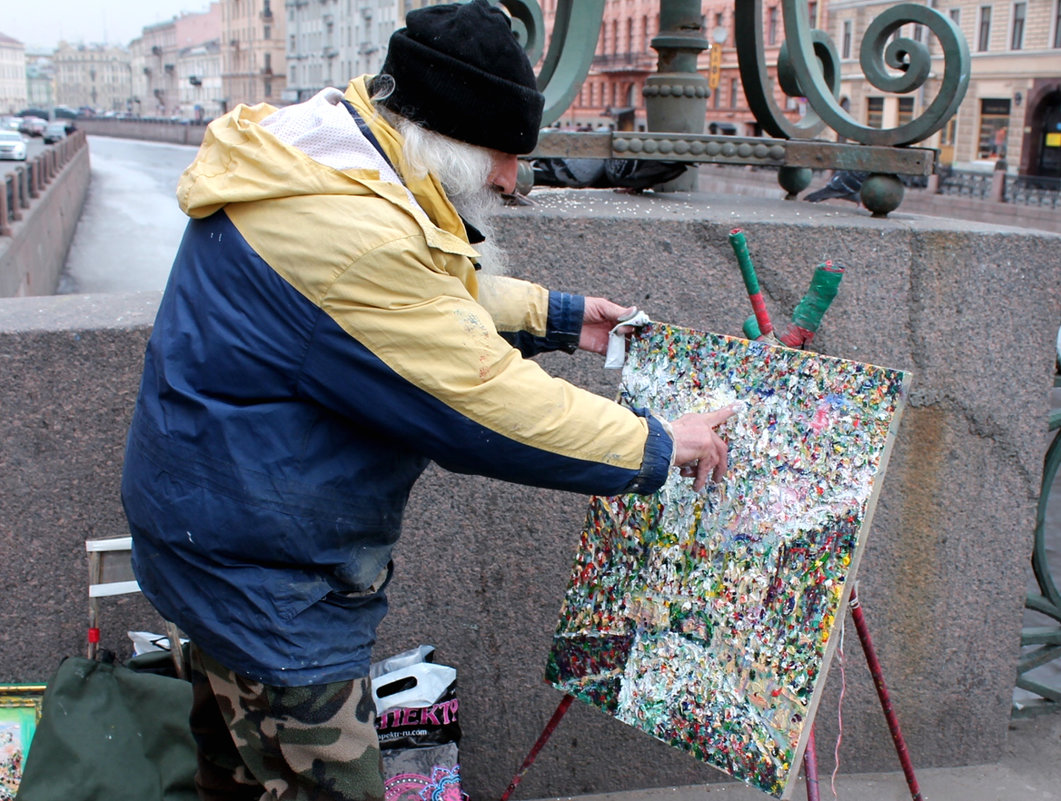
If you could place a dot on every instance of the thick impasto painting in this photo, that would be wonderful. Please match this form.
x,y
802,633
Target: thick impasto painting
x,y
708,619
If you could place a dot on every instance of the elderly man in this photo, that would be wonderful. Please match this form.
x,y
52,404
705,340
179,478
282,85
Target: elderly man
x,y
326,332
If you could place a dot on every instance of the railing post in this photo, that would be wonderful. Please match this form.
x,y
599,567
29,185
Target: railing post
x,y
34,180
16,194
5,211
998,182
676,96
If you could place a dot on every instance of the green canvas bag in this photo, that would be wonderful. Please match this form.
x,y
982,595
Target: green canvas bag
x,y
112,731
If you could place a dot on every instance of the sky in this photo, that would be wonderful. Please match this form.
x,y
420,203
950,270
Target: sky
x,y
41,24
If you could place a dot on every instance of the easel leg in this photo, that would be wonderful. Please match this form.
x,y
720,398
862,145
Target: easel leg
x,y
885,699
810,767
543,738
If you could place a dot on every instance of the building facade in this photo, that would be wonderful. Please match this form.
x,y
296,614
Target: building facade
x,y
1012,109
253,55
199,81
331,41
12,75
40,80
153,67
97,76
612,95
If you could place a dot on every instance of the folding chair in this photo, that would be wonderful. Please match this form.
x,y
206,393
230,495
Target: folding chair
x,y
110,572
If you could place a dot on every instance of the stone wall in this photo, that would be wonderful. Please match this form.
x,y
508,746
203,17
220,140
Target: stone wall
x,y
176,133
53,187
971,311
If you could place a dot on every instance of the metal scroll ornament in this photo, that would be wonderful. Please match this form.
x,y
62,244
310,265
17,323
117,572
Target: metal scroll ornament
x,y
808,67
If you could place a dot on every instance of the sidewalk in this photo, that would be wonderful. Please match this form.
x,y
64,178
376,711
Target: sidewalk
x,y
1030,770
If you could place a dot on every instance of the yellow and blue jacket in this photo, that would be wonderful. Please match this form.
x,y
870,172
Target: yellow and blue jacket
x,y
324,335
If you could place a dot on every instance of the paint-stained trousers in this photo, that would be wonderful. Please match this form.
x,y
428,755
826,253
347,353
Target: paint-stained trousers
x,y
315,743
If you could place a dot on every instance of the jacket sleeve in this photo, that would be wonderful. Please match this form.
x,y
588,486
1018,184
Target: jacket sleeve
x,y
530,318
406,351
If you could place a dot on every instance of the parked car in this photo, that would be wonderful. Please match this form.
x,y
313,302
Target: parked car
x,y
32,126
54,132
12,145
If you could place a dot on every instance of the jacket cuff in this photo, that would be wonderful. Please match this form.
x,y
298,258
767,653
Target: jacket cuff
x,y
564,325
659,456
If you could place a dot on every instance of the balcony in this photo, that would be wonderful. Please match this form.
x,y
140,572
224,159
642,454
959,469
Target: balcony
x,y
624,62
329,52
195,80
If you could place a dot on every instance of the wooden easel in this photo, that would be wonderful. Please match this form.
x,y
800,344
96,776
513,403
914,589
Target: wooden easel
x,y
810,755
803,327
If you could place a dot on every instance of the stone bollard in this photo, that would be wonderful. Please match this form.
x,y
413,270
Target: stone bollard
x,y
34,179
933,184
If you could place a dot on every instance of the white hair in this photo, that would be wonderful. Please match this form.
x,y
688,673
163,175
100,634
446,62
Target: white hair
x,y
463,170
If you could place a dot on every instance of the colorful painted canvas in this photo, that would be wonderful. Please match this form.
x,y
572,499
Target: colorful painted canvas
x,y
20,710
707,620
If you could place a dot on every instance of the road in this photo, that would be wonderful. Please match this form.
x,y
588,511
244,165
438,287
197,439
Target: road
x,y
131,226
34,145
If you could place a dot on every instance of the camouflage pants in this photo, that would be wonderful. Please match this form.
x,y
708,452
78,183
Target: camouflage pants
x,y
315,743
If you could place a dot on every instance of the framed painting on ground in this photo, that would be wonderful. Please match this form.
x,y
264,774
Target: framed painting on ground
x,y
20,709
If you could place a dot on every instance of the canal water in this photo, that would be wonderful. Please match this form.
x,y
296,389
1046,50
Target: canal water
x,y
131,225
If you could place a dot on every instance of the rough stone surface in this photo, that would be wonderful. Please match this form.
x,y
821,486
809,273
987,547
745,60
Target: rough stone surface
x,y
971,311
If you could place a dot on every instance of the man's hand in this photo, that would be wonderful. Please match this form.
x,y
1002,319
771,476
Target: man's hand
x,y
599,318
699,451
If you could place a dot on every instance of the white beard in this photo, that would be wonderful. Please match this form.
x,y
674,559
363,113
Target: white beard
x,y
463,170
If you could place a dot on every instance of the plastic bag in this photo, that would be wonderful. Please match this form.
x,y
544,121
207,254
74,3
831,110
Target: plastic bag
x,y
418,727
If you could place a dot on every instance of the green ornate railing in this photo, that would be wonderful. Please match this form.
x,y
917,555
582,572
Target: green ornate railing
x,y
807,67
1041,645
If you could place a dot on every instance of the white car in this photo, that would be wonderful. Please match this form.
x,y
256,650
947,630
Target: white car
x,y
12,146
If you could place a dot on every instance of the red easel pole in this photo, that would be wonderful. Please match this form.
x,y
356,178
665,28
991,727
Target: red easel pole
x,y
543,738
885,699
810,767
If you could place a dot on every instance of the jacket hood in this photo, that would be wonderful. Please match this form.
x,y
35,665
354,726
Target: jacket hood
x,y
250,154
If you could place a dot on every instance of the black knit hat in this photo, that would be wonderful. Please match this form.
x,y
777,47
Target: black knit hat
x,y
459,71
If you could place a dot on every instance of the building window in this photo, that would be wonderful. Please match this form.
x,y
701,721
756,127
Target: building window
x,y
906,110
875,112
994,128
716,97
734,89
771,26
956,16
845,48
268,88
1057,24
949,135
812,13
1016,35
267,32
984,37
